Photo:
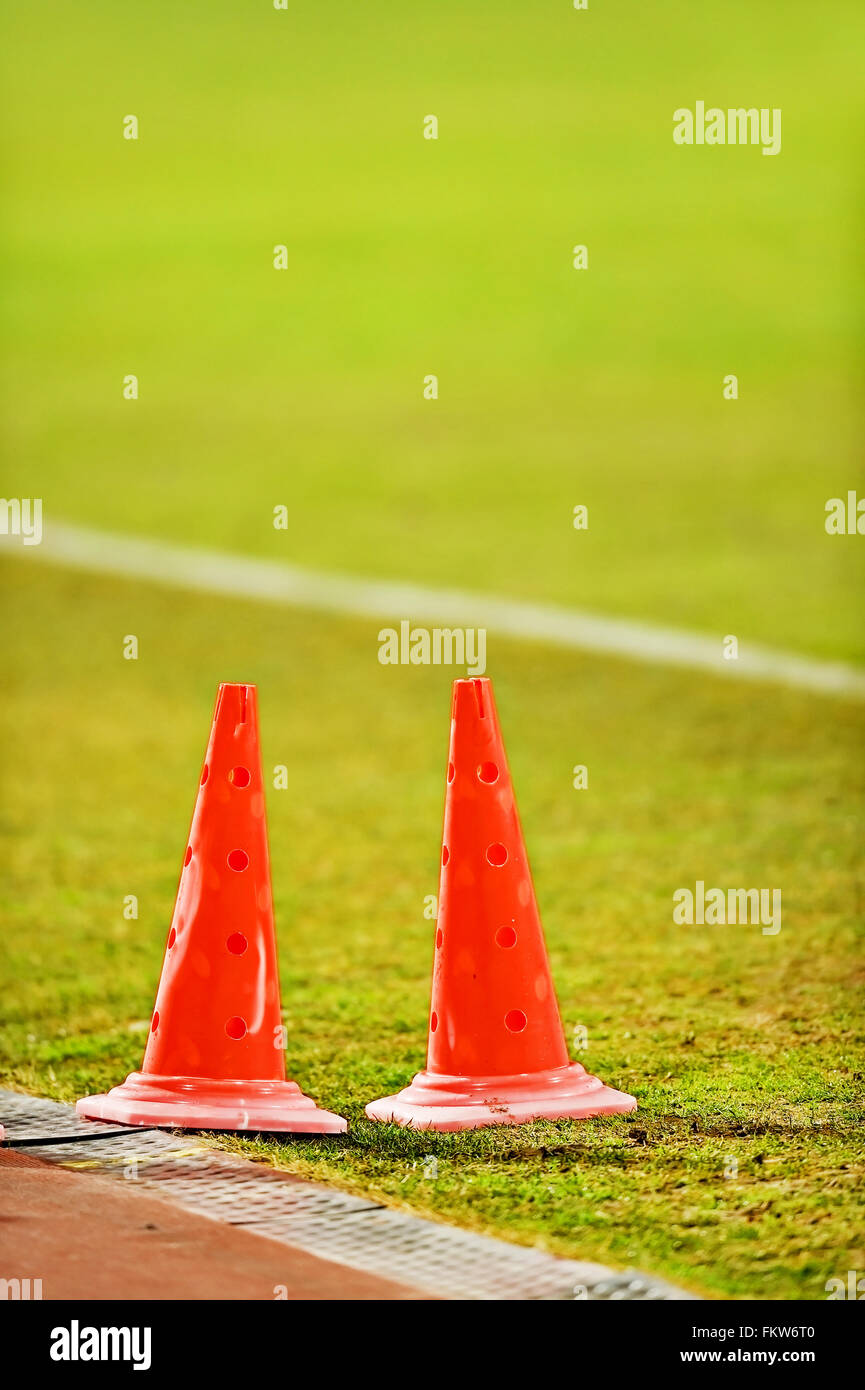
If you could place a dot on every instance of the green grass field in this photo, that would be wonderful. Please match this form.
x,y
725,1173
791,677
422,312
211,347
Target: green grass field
x,y
304,387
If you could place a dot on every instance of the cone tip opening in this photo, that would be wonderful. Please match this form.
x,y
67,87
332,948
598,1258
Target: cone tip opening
x,y
237,696
472,695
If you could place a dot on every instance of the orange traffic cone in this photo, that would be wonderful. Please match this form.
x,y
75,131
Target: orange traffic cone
x,y
214,1057
497,1052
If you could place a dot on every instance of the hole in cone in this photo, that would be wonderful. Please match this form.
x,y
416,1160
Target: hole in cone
x,y
236,1028
205,773
515,1021
237,943
506,937
240,776
172,937
497,855
446,854
187,856
433,1022
488,772
154,1022
238,860
439,937
451,772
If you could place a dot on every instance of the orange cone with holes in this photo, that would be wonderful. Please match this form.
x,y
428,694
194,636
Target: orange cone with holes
x,y
215,1055
497,1052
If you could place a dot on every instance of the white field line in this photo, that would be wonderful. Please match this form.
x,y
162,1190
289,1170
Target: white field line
x,y
270,581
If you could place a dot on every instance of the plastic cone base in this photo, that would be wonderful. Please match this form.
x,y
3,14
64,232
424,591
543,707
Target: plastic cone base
x,y
194,1102
460,1102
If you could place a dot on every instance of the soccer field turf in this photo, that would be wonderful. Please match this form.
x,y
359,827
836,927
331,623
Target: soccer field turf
x,y
741,1048
740,1172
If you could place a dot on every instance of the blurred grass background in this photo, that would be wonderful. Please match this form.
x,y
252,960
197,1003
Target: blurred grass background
x,y
453,257
304,387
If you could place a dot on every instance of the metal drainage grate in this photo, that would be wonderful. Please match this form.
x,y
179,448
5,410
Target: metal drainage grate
x,y
426,1255
631,1286
109,1151
31,1120
444,1260
201,1179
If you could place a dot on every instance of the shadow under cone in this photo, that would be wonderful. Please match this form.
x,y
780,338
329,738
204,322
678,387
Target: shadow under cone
x,y
215,1057
497,1052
